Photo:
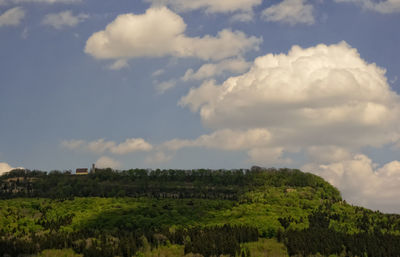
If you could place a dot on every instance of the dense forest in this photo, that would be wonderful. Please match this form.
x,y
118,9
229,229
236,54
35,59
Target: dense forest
x,y
253,212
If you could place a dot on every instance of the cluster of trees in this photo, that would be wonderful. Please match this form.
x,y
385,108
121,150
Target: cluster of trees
x,y
320,238
327,241
203,183
212,241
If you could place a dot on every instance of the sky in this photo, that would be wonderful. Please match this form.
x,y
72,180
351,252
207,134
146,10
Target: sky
x,y
308,84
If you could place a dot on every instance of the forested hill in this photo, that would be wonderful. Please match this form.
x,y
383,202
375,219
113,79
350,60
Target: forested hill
x,y
174,213
209,184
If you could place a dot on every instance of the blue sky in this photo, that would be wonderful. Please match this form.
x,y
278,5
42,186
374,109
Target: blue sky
x,y
205,84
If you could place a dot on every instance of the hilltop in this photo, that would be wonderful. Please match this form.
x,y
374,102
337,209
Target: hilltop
x,y
138,212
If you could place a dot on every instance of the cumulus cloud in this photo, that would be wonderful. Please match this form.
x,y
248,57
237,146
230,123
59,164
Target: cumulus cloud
x,y
100,146
238,65
319,96
384,7
12,17
107,162
5,167
160,32
63,19
362,183
291,12
324,102
210,6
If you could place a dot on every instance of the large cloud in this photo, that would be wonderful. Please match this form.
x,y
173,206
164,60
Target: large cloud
x,y
12,17
324,103
100,146
160,32
291,12
319,96
361,183
388,6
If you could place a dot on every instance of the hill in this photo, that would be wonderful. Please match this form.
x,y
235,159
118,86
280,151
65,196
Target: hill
x,y
255,212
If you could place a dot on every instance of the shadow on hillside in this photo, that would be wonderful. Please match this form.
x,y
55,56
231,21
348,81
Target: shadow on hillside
x,y
153,214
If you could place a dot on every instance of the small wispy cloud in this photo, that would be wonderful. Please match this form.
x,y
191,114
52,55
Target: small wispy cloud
x,y
101,146
63,19
12,17
290,12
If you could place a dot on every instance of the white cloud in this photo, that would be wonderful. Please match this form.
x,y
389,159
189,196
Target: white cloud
x,y
384,7
3,2
243,17
131,145
159,32
107,162
63,19
319,96
119,64
210,6
12,17
100,146
209,70
231,140
5,167
291,12
361,183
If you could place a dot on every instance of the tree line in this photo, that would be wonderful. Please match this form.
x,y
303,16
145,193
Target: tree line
x,y
202,183
210,241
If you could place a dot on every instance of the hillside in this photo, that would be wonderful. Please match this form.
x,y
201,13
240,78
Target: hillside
x,y
256,212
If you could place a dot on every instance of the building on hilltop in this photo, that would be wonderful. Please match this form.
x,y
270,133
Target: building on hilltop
x,y
82,171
